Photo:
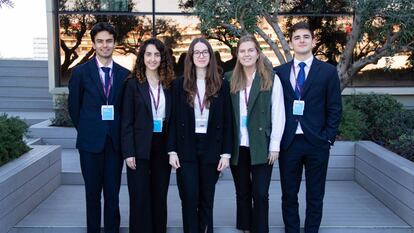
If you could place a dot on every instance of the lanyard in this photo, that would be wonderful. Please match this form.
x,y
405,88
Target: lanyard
x,y
103,82
156,103
246,98
296,80
201,105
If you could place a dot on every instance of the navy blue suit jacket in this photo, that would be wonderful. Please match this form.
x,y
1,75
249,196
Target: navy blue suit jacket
x,y
86,96
323,108
137,119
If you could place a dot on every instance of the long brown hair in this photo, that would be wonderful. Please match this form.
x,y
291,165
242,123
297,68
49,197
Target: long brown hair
x,y
213,78
239,80
165,70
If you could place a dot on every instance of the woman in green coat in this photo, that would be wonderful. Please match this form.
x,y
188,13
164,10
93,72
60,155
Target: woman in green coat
x,y
259,116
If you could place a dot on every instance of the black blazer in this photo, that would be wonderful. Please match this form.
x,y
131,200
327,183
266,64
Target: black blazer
x,y
86,96
322,96
219,136
137,119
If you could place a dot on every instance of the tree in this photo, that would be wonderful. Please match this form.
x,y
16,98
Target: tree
x,y
132,30
7,3
379,27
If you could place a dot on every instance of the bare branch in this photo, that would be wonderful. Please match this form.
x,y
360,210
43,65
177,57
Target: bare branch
x,y
272,45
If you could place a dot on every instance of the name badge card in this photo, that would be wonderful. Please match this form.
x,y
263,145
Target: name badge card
x,y
298,107
157,125
107,112
201,125
244,121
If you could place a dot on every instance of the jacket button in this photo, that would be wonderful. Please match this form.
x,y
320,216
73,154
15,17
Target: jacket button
x,y
260,129
182,124
182,137
296,120
218,127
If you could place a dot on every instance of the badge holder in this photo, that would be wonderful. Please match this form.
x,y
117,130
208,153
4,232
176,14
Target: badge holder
x,y
201,125
298,107
107,112
157,125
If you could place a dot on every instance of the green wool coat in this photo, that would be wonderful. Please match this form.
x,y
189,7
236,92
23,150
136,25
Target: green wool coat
x,y
259,124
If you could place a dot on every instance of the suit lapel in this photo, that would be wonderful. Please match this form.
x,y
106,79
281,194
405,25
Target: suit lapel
x,y
313,73
116,81
285,77
143,88
254,93
93,68
235,100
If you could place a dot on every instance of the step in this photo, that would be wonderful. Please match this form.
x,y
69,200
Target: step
x,y
25,92
25,71
23,63
348,208
38,105
31,118
9,81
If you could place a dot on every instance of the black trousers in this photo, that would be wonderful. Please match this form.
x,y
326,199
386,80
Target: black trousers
x,y
102,171
252,193
196,185
148,188
291,161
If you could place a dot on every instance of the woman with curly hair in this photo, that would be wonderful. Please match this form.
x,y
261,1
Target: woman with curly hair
x,y
145,114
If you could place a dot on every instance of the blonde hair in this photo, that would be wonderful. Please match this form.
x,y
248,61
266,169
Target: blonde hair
x,y
239,80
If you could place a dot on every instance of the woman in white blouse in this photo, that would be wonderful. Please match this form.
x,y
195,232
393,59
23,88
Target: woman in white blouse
x,y
200,136
146,110
259,119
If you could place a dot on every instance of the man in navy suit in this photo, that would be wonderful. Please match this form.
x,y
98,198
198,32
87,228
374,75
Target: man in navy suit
x,y
313,113
94,99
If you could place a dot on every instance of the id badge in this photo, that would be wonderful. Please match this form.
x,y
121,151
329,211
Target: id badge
x,y
157,125
201,125
298,107
107,112
244,122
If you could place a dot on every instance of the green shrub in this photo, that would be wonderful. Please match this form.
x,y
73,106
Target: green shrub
x,y
404,145
353,124
61,108
12,146
383,115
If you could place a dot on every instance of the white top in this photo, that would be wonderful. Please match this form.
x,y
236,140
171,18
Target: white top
x,y
160,113
101,73
296,62
201,87
278,117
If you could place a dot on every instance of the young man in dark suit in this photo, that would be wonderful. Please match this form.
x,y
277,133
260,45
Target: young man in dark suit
x,y
313,112
94,99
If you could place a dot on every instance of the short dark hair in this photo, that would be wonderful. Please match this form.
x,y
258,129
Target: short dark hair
x,y
102,26
300,25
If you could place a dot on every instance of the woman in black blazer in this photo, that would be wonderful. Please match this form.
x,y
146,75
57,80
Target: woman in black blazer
x,y
146,110
200,135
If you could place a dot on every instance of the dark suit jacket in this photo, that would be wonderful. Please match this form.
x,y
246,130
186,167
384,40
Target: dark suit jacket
x,y
322,96
137,120
219,137
86,96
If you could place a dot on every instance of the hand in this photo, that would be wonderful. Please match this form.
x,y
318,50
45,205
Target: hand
x,y
174,161
223,164
272,157
130,162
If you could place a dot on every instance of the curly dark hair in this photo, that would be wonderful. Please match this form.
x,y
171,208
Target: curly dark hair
x,y
165,70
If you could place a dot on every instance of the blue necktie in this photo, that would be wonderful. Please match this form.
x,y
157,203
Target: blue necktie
x,y
300,79
106,70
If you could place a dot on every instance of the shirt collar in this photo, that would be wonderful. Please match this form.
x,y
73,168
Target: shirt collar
x,y
308,62
101,65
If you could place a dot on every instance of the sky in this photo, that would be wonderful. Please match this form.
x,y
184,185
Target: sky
x,y
19,25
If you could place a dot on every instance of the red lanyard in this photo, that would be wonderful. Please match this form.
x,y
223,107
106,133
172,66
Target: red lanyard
x,y
157,103
201,105
103,81
246,98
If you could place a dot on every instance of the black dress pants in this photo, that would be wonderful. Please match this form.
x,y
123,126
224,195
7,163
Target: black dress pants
x,y
148,189
252,193
102,171
291,161
196,182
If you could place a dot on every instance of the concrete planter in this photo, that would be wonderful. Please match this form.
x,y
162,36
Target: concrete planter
x,y
26,181
52,135
387,176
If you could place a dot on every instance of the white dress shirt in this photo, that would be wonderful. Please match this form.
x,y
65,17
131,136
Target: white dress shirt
x,y
201,87
278,117
101,73
160,113
293,78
